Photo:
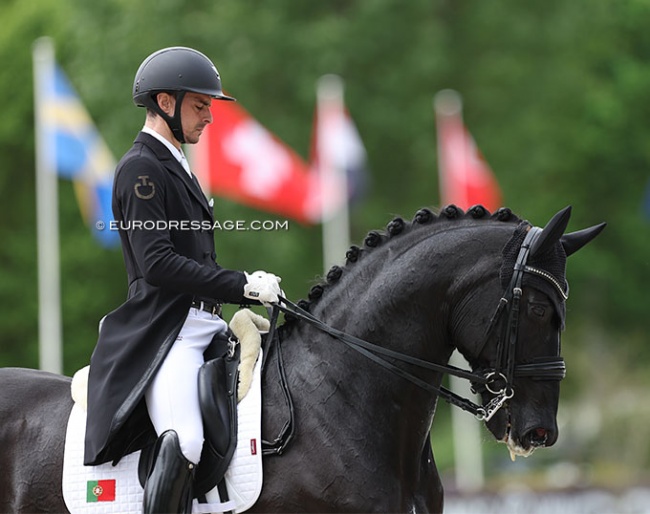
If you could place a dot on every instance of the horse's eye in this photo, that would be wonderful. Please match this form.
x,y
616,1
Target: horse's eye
x,y
537,309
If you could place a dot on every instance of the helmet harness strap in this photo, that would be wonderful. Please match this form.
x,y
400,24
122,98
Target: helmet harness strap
x,y
174,122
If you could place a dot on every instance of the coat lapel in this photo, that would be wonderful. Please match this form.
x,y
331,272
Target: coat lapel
x,y
168,160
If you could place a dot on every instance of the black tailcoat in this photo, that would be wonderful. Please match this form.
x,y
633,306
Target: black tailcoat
x,y
168,247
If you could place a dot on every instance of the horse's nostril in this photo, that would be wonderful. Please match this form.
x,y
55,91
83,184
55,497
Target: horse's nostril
x,y
538,436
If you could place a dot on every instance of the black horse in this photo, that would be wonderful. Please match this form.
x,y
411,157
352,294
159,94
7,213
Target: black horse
x,y
363,399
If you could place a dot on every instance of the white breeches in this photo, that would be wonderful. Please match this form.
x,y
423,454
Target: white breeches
x,y
173,396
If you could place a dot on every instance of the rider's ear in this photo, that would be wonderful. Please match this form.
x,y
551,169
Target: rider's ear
x,y
575,240
552,232
166,102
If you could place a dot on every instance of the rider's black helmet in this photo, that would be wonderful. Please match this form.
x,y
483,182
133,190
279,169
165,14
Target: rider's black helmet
x,y
175,70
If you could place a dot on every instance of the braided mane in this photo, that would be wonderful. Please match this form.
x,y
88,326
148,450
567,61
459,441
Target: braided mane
x,y
394,228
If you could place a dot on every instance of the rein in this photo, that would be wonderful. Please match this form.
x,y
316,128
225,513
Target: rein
x,y
374,352
498,380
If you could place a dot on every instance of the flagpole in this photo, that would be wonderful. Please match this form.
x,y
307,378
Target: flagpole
x,y
336,224
448,108
47,217
468,456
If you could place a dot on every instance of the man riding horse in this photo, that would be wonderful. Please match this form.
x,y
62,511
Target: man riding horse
x,y
143,372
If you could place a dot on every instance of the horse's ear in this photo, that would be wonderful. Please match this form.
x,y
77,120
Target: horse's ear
x,y
575,240
552,231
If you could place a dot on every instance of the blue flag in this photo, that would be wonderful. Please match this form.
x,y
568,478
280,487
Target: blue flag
x,y
80,155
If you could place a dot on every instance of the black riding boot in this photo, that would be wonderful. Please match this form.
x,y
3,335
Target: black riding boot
x,y
169,485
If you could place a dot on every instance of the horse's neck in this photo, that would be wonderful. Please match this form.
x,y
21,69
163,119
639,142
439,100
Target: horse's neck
x,y
370,405
405,296
372,397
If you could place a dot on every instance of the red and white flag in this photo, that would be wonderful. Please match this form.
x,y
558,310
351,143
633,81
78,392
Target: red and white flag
x,y
336,144
338,157
239,159
465,178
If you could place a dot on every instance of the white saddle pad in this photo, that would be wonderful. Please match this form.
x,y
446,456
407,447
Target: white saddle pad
x,y
108,489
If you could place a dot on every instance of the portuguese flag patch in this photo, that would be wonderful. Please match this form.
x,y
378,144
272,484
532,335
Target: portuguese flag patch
x,y
100,491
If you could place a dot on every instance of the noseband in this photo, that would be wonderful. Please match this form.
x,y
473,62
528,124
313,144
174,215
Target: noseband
x,y
497,380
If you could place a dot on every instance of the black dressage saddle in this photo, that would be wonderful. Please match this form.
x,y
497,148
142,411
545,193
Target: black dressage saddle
x,y
218,379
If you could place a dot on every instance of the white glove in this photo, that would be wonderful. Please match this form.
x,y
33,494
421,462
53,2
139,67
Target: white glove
x,y
263,286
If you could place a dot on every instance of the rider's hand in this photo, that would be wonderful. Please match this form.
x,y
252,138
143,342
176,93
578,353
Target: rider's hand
x,y
263,287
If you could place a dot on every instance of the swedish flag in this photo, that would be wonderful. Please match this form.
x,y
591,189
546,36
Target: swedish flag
x,y
80,155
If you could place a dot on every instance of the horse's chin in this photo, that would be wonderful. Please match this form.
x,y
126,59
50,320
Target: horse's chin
x,y
515,449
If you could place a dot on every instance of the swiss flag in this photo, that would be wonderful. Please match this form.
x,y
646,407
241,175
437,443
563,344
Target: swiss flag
x,y
239,159
465,177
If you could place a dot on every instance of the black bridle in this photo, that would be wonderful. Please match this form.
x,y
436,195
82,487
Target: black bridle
x,y
501,377
497,380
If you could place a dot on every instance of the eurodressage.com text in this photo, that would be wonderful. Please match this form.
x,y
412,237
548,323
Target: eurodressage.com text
x,y
228,225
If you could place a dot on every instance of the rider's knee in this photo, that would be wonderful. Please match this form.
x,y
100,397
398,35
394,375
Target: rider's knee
x,y
191,448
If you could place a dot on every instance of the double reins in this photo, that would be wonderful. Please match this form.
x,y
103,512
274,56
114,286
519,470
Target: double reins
x,y
498,380
377,353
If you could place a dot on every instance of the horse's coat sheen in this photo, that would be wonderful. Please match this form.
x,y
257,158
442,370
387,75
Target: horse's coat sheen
x,y
362,433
